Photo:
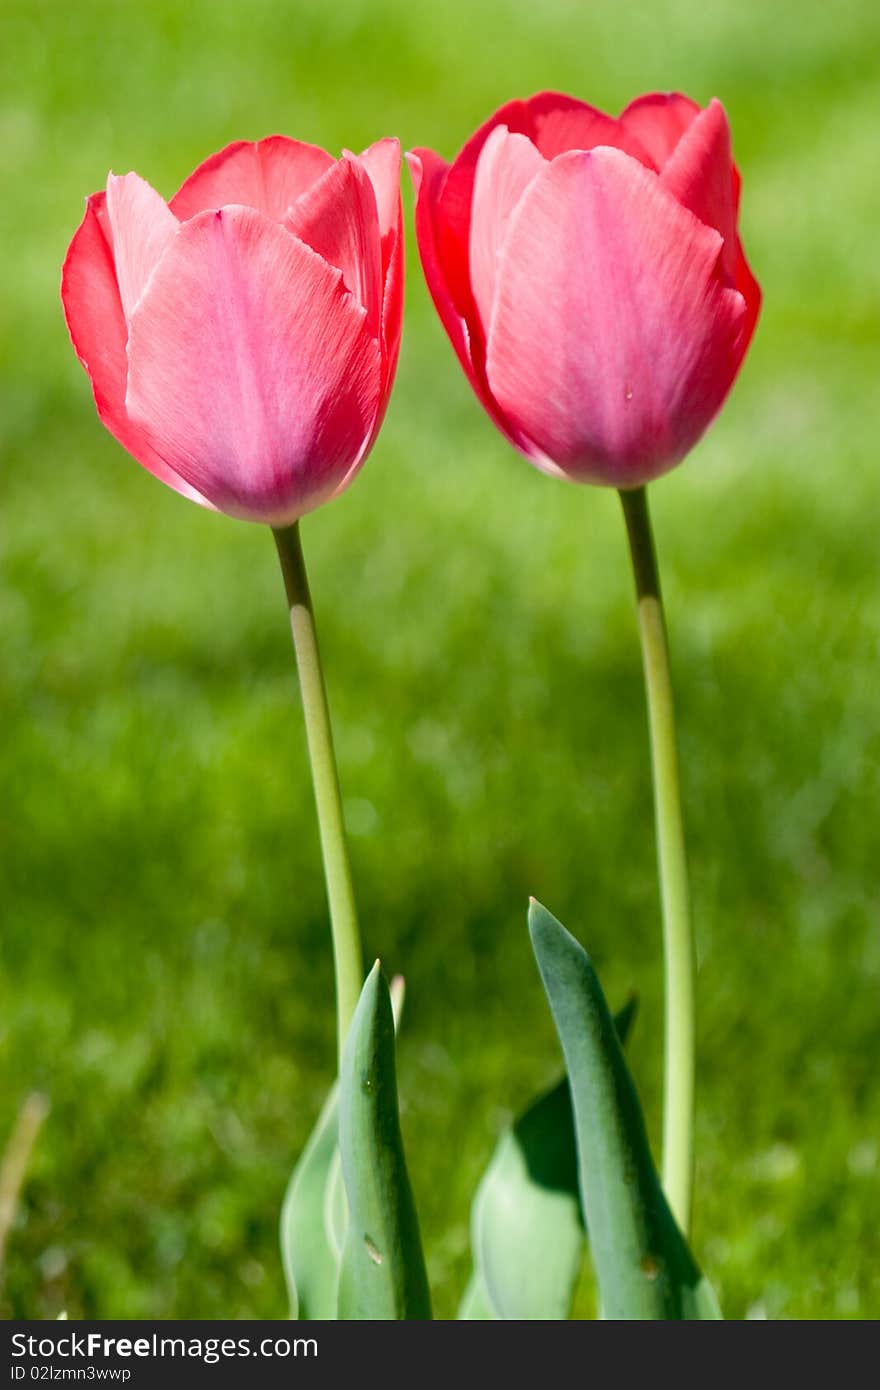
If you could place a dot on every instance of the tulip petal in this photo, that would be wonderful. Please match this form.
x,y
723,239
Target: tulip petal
x,y
613,341
555,123
98,331
449,191
382,162
337,217
699,173
444,195
444,261
658,121
506,167
748,287
142,226
252,368
267,174
392,304
560,123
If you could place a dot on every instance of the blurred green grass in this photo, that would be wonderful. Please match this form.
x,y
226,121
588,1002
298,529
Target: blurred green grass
x,y
166,967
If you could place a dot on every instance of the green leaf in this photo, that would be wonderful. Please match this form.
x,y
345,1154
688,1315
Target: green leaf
x,y
314,1216
383,1270
643,1265
335,1209
311,1262
526,1226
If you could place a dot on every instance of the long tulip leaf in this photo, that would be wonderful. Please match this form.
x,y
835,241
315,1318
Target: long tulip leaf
x,y
527,1233
311,1262
314,1217
527,1230
382,1275
643,1265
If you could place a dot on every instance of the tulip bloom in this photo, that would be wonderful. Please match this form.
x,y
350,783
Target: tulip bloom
x,y
242,339
588,272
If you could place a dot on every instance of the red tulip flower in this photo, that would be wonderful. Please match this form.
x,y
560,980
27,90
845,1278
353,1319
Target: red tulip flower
x,y
242,339
589,274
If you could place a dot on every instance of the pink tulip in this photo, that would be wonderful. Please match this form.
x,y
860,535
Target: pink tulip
x,y
588,272
242,339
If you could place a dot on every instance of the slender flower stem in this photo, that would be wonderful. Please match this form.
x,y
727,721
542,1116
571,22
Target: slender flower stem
x,y
678,945
325,779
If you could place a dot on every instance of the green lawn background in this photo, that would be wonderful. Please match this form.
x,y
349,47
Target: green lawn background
x,y
165,955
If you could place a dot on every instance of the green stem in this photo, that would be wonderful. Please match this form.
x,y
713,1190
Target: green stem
x,y
678,945
325,779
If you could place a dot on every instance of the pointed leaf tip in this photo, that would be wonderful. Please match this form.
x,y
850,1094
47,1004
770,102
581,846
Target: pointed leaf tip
x,y
383,1271
643,1264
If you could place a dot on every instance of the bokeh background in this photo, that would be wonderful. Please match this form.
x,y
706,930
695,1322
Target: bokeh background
x,y
165,954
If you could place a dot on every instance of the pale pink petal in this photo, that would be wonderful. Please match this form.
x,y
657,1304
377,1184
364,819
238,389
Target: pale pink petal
x,y
98,331
699,173
142,225
506,167
658,121
614,341
382,163
251,367
267,175
337,217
